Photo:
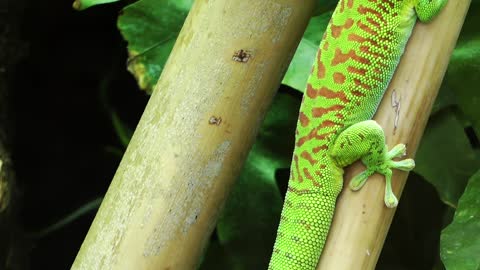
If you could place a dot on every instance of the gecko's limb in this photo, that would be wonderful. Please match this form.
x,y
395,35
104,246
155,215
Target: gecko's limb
x,y
366,141
427,9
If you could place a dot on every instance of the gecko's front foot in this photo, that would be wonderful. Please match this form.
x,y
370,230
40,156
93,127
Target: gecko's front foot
x,y
375,163
366,140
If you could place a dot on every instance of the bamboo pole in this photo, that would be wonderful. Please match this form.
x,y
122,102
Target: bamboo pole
x,y
194,135
361,219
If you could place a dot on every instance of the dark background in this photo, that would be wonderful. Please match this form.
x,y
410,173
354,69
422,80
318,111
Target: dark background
x,y
63,130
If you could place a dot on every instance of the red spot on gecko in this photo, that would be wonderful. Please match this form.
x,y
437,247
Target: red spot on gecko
x,y
338,78
326,93
303,119
319,148
309,177
328,123
383,8
308,157
325,45
313,135
337,30
325,135
359,71
358,93
366,49
311,92
388,2
355,37
321,66
298,191
340,57
319,112
366,28
300,178
361,84
373,22
364,10
350,4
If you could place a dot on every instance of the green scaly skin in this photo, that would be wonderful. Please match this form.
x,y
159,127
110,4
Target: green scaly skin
x,y
357,57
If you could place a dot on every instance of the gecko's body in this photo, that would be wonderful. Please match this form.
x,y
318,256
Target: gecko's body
x,y
358,55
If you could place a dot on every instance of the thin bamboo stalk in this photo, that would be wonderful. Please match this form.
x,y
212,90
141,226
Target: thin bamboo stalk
x,y
361,219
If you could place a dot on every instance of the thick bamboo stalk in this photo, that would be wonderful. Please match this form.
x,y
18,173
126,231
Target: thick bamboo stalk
x,y
361,219
194,135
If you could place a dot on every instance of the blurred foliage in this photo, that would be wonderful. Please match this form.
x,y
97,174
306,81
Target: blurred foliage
x,y
460,244
148,44
448,157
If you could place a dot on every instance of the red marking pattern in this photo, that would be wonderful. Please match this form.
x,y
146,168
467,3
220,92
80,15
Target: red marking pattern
x,y
326,93
319,148
319,112
340,57
339,78
303,119
308,157
337,29
313,135
321,66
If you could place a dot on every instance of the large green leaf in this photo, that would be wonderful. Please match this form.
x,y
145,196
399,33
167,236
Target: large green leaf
x,y
460,241
301,64
84,4
445,157
151,28
462,75
299,69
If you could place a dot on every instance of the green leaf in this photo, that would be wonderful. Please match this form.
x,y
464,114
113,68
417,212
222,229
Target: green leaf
x,y
299,69
84,4
460,241
151,28
247,227
445,157
462,77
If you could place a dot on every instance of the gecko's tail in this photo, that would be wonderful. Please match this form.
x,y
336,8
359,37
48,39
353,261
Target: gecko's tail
x,y
303,230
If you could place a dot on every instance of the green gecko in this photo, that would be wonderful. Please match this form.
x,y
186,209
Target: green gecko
x,y
358,55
